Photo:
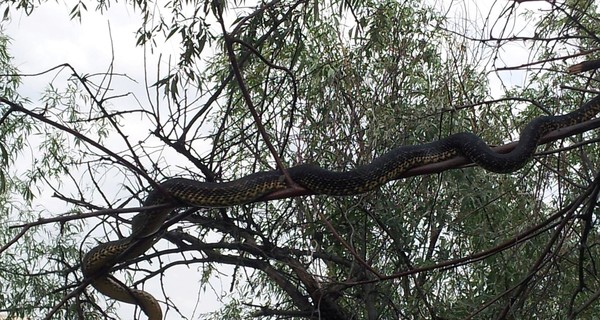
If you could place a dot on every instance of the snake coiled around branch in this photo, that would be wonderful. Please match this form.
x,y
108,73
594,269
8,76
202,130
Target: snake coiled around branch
x,y
97,262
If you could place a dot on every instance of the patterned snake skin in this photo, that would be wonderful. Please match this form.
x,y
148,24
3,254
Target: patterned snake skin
x,y
388,167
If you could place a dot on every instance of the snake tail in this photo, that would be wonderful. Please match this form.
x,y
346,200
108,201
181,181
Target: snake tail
x,y
97,261
111,288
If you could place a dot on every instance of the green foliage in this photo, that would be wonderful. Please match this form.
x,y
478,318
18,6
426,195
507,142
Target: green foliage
x,y
334,83
35,261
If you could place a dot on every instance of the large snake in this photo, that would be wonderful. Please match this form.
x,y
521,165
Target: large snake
x,y
381,170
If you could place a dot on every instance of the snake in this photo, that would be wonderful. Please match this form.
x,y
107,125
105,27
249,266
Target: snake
x,y
97,263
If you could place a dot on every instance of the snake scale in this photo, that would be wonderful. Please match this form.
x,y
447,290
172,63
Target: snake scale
x,y
97,262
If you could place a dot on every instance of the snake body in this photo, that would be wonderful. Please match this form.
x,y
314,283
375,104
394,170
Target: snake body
x,y
97,262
